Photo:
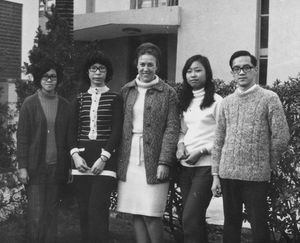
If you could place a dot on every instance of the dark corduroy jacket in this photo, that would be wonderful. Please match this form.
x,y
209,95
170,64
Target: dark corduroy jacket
x,y
160,128
32,136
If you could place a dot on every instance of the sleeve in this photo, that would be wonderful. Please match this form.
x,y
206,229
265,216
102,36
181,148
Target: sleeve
x,y
74,123
183,130
171,134
219,140
23,136
117,125
215,113
279,130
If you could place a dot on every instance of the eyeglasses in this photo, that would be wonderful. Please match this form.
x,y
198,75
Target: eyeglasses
x,y
246,69
102,69
51,77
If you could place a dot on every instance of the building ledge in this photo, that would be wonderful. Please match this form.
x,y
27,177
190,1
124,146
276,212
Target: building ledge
x,y
108,25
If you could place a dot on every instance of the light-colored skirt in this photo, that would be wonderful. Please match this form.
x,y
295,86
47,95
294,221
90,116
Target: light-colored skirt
x,y
135,196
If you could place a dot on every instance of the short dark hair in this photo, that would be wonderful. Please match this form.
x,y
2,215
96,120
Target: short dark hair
x,y
96,57
148,48
243,53
39,70
186,94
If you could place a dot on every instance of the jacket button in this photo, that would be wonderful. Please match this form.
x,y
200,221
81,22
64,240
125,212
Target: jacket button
x,y
147,142
148,124
148,107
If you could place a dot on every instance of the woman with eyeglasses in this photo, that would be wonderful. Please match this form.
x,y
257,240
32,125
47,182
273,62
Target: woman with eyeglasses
x,y
96,128
42,151
199,110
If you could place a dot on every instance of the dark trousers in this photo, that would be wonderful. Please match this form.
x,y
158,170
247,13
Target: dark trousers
x,y
93,195
195,186
254,196
43,209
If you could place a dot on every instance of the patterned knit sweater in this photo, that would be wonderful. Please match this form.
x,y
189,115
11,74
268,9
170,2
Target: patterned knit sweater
x,y
251,134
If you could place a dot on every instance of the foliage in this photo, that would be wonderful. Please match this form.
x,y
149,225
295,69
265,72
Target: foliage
x,y
12,196
284,197
7,144
55,44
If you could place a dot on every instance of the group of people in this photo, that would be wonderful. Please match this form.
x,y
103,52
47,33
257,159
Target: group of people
x,y
130,141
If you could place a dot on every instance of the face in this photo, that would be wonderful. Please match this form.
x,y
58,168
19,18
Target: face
x,y
196,76
97,74
49,81
147,68
244,72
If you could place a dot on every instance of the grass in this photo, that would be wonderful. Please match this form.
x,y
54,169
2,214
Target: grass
x,y
121,231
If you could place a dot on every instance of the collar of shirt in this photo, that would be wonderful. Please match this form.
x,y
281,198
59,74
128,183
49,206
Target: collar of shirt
x,y
97,90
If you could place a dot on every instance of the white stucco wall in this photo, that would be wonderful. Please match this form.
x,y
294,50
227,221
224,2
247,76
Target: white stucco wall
x,y
79,6
111,5
216,29
102,6
284,40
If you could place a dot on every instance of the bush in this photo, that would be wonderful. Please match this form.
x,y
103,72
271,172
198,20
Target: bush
x,y
7,144
12,196
284,196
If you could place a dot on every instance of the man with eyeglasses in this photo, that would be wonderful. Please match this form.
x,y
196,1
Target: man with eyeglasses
x,y
251,134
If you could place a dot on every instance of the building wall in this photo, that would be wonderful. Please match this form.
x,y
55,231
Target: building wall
x,y
216,29
30,23
10,44
82,6
111,5
284,40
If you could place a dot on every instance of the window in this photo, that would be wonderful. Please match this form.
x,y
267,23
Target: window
x,y
136,4
263,40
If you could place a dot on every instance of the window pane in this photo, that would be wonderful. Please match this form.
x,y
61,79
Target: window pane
x,y
264,32
263,68
264,6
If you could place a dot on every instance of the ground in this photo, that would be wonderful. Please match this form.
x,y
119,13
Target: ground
x,y
13,230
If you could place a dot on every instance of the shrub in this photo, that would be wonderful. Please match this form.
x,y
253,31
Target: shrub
x,y
12,196
7,144
284,196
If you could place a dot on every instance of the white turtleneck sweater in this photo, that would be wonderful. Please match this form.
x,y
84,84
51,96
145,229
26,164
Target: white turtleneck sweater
x,y
138,108
198,127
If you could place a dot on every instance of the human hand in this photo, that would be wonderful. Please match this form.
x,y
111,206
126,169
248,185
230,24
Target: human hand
x,y
23,175
98,166
80,163
193,157
162,172
181,152
216,186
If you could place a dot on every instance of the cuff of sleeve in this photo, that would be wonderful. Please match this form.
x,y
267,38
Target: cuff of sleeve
x,y
74,150
105,153
164,163
215,170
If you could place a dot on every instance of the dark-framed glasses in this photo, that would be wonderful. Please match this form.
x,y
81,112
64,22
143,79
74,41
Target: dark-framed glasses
x,y
246,69
52,77
93,69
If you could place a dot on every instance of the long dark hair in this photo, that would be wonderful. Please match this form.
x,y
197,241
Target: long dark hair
x,y
186,94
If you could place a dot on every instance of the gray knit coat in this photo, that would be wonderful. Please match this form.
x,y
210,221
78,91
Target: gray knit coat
x,y
160,129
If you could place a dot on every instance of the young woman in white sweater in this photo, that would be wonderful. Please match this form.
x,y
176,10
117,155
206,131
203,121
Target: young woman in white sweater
x,y
199,106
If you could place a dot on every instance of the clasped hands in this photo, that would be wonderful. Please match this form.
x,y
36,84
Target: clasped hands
x,y
81,165
190,158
